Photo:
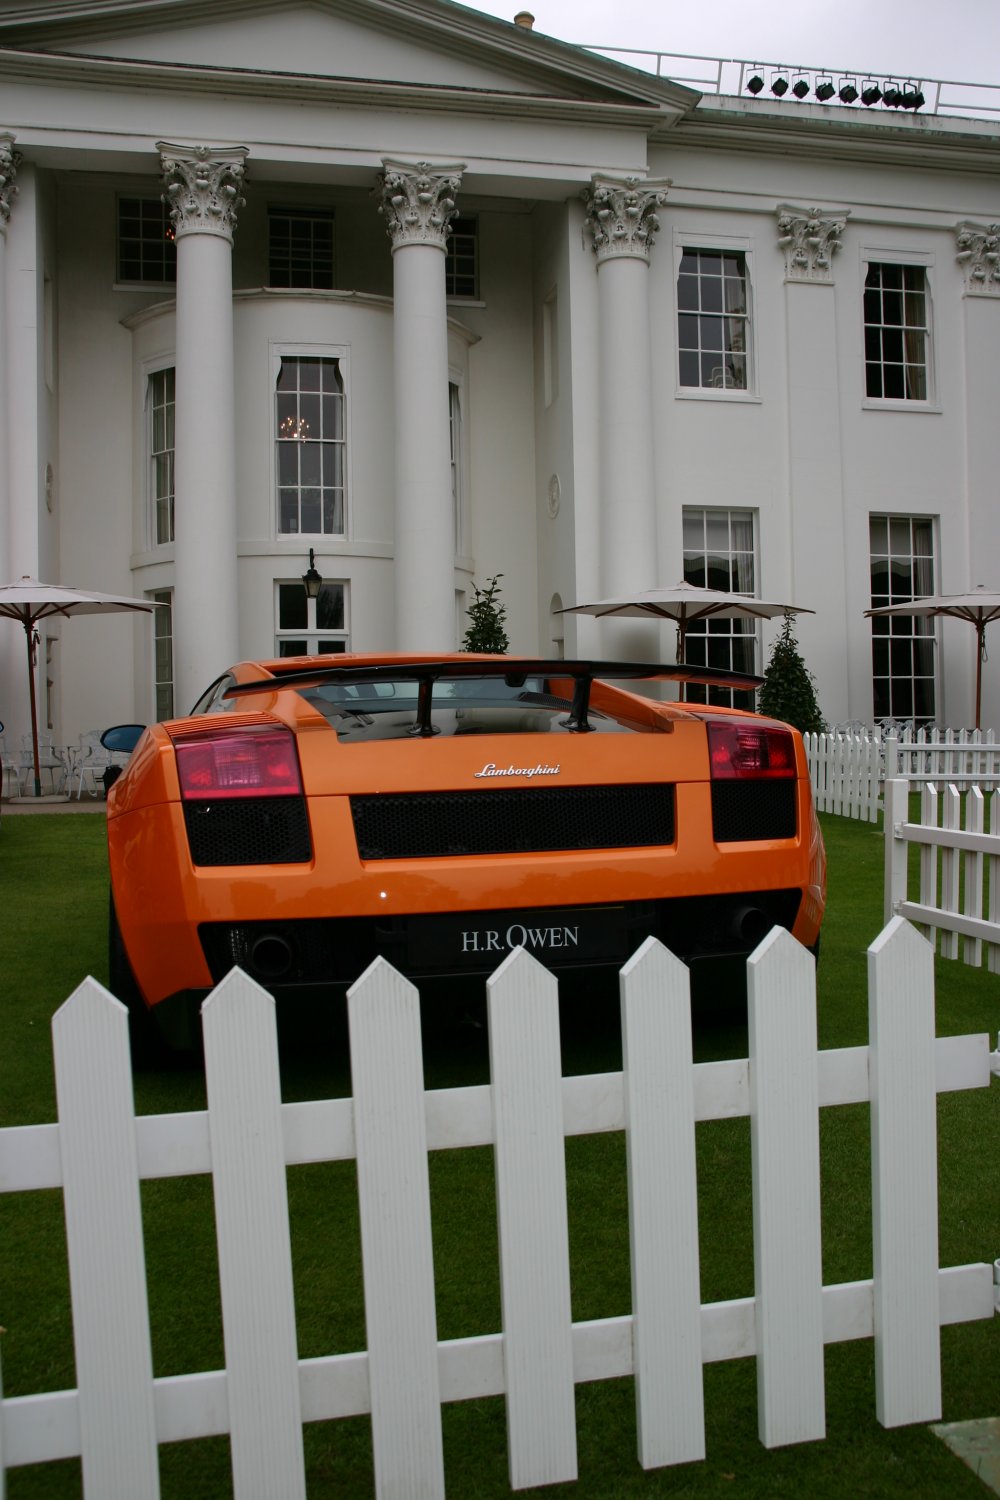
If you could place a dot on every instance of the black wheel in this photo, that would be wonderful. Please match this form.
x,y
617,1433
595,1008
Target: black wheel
x,y
144,1037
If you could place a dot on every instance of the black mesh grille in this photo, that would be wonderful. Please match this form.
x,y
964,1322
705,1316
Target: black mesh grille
x,y
745,810
515,821
248,831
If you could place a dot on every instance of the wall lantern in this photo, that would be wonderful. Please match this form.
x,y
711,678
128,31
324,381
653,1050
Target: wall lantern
x,y
312,581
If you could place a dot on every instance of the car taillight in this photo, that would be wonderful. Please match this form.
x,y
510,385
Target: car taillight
x,y
256,761
758,752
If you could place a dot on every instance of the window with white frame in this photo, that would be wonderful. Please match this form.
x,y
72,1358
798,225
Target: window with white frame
x,y
147,250
897,332
461,257
310,445
455,455
300,247
163,653
720,553
713,319
160,418
902,568
311,627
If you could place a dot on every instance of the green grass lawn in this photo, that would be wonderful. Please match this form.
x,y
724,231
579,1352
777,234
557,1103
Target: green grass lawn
x,y
53,876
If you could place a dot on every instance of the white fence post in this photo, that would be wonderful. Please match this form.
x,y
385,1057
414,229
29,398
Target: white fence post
x,y
896,851
784,1134
526,1068
107,1266
397,1250
254,1241
658,1081
904,1177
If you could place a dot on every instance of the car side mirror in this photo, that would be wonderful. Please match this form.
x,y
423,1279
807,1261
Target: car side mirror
x,y
122,737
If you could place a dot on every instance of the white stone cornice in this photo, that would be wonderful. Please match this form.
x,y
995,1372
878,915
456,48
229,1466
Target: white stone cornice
x,y
418,200
621,216
810,237
10,160
202,185
978,253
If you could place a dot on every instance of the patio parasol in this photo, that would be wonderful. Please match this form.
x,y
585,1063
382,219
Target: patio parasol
x,y
979,608
30,601
683,603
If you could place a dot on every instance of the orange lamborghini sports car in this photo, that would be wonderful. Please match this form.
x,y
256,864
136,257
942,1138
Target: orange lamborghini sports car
x,y
312,813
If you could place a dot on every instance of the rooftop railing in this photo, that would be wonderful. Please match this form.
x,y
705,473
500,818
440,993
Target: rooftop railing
x,y
856,89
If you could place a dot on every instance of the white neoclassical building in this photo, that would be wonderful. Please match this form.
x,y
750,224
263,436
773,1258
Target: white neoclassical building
x,y
421,297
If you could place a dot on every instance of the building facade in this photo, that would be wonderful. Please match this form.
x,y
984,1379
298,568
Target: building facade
x,y
422,297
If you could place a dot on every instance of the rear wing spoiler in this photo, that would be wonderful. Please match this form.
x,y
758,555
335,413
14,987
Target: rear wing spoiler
x,y
513,670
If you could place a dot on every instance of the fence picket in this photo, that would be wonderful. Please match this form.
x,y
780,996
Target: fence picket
x,y
663,1206
526,1066
254,1242
993,876
784,1135
397,1252
904,1177
114,1366
972,905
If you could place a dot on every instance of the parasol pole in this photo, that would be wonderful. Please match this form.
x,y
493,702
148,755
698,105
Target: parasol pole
x,y
29,630
980,653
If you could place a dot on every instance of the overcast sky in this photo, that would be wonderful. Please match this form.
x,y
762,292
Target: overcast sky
x,y
938,39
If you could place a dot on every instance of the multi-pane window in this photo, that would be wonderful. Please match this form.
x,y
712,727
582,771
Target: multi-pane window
x,y
896,332
902,568
146,247
163,654
310,446
461,263
161,456
455,455
300,247
719,554
713,320
311,627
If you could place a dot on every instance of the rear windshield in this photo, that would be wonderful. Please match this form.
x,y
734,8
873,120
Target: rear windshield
x,y
361,711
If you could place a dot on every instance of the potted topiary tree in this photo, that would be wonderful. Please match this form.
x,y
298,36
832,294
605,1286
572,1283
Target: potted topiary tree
x,y
789,691
486,633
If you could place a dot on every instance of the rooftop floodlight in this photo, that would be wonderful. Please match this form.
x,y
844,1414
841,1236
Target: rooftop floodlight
x,y
871,93
755,84
825,90
848,91
800,89
912,95
779,86
892,95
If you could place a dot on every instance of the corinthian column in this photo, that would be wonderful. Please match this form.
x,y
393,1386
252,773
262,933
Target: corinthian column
x,y
418,202
9,161
621,215
202,186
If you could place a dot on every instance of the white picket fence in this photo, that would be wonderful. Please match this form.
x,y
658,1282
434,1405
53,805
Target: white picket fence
x,y
848,766
958,878
99,1152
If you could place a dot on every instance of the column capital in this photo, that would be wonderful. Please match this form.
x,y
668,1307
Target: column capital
x,y
977,250
621,216
10,160
809,237
418,200
202,186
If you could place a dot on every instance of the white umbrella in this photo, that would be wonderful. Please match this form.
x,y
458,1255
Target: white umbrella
x,y
30,601
682,603
979,608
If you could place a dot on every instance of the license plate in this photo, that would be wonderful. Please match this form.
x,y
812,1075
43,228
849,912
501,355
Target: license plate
x,y
481,940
